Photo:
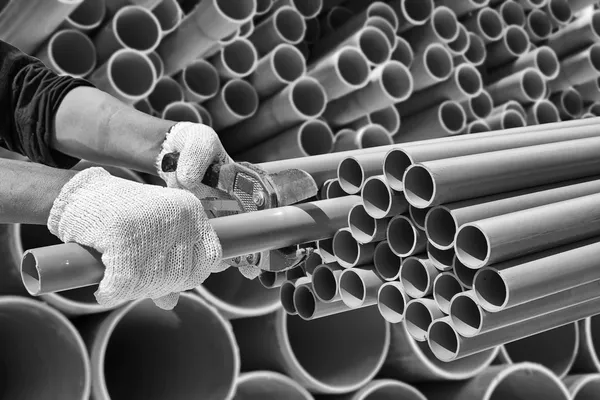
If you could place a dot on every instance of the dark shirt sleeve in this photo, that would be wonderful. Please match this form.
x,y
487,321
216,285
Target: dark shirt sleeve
x,y
30,94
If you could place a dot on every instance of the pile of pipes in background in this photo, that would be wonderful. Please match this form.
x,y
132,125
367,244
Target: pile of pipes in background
x,y
487,282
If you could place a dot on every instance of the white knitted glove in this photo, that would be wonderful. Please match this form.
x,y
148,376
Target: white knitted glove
x,y
155,242
199,147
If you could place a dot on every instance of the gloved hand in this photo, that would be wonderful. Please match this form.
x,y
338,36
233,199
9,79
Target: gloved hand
x,y
199,147
155,242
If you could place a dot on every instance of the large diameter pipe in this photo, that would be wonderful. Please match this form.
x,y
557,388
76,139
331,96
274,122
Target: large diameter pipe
x,y
122,341
128,75
432,66
287,226
236,101
582,387
446,287
289,345
391,302
285,25
442,27
587,361
259,385
445,119
280,67
57,53
404,238
88,16
381,201
166,91
419,314
353,172
200,81
236,60
412,13
209,22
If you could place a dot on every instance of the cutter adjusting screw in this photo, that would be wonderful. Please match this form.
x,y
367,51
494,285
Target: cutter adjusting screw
x,y
259,198
250,258
237,260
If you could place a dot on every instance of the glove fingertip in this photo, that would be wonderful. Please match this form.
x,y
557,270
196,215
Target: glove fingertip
x,y
249,272
167,302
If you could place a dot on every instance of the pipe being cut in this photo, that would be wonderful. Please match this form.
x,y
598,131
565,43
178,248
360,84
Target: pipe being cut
x,y
282,66
88,16
365,228
57,53
391,302
445,288
417,275
432,66
349,252
445,119
166,91
236,101
285,25
404,238
387,264
260,385
381,201
513,44
326,282
359,287
419,315
169,15
200,81
236,60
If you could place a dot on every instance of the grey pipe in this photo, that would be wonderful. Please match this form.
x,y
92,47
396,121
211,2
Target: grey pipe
x,y
464,274
417,275
326,282
460,45
580,33
359,287
200,81
181,111
157,62
57,53
475,54
432,66
403,52
506,120
513,44
349,252
309,307
569,103
412,13
582,387
372,135
271,280
543,59
419,314
477,126
166,91
285,25
539,27
487,24
365,228
404,238
418,216
560,12
442,259
590,90
525,86
260,385
387,264
578,68
307,8
169,15
283,65
381,201
236,60
445,287
87,16
512,13
388,118
478,107
384,389
464,7
445,119
236,101
442,27
391,302
542,112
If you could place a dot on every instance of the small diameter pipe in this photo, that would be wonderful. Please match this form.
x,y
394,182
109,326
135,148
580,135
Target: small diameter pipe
x,y
309,307
381,201
543,59
307,8
285,25
359,287
291,345
200,81
512,105
286,294
372,135
538,26
343,72
578,68
403,52
181,111
364,228
582,387
88,16
143,106
391,302
388,84
300,101
477,126
349,252
271,280
441,27
446,119
157,63
412,13
593,109
112,6
569,103
525,86
266,384
387,264
236,60
169,15
205,116
388,118
325,249
419,315
404,238
475,54
280,67
460,45
581,32
334,19
478,107
57,53
512,13
442,259
209,22
353,172
587,361
542,112
487,24
508,381
417,276
335,190
384,27
432,66
127,75
121,341
513,44
166,91
464,7
132,27
560,12
506,120
464,274
418,216
385,389
532,4
263,6
236,101
326,282
445,287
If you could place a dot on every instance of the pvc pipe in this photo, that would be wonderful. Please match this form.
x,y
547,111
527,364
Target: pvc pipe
x,y
371,135
512,13
166,91
334,19
263,6
384,27
88,16
290,345
463,273
259,385
57,53
391,302
506,120
218,45
475,54
181,111
308,9
121,341
578,68
354,171
445,287
200,81
418,315
477,126
283,65
418,216
582,387
286,293
417,275
460,45
432,66
128,75
343,72
465,7
388,118
446,119
237,100
525,86
364,228
205,116
359,287
404,238
513,44
511,105
236,60
487,24
112,6
593,109
326,282
271,280
569,103
349,252
387,264
169,15
300,101
371,41
525,380
285,25
442,259
441,27
538,26
412,13
335,190
246,29
380,201
158,64
384,389
313,260
532,4
560,12
310,308
587,358
465,82
580,33
579,5
478,107
143,106
403,52
542,112
26,25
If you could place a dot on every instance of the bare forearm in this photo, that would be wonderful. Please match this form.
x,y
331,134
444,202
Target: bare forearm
x,y
28,191
93,125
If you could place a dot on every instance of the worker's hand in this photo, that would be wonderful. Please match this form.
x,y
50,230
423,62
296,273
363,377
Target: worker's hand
x,y
155,242
199,147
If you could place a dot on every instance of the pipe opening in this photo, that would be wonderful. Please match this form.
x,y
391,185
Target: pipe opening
x,y
466,316
316,138
158,64
482,104
443,341
572,103
204,114
268,278
132,73
547,62
463,273
241,98
324,283
514,105
490,24
387,264
476,53
286,297
452,117
419,186
305,302
374,45
166,91
390,303
546,113
414,277
334,190
442,259
441,227
539,24
260,385
403,53
350,175
236,10
469,80
594,109
240,57
262,6
491,289
401,235
62,47
472,246
352,289
202,78
418,216
461,43
589,390
512,13
396,81
309,98
30,274
596,23
438,61
445,287
375,136
353,67
87,14
362,225
308,8
376,197
383,11
384,27
143,106
417,318
417,12
137,28
168,14
388,118
512,119
478,126
345,247
312,262
517,40
444,23
395,164
181,112
290,25
560,11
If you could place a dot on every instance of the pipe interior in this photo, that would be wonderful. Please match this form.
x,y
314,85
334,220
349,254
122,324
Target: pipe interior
x,y
388,118
560,10
288,63
594,109
350,175
441,227
517,40
464,274
491,288
325,284
572,102
168,14
312,262
362,225
546,113
469,80
240,57
325,247
596,23
335,190
62,48
490,23
352,289
268,279
443,340
390,390
29,273
438,62
308,8
418,216
132,74
305,302
338,16
589,390
268,385
445,24
391,303
202,78
137,29
384,27
416,11
353,67
181,112
374,45
395,164
262,6
466,315
476,53
40,356
414,277
143,106
445,287
539,23
204,114
478,127
514,105
294,273
241,98
345,247
375,136
403,52
401,236
554,349
482,104
309,98
166,91
316,138
396,80
158,64
290,25
376,198
236,10
452,117
419,186
246,29
88,13
180,346
547,62
528,383
387,264
461,43
472,246
384,11
286,297
417,319
512,119
336,350
513,13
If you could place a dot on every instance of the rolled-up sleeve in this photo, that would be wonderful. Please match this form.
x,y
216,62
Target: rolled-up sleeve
x,y
30,94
